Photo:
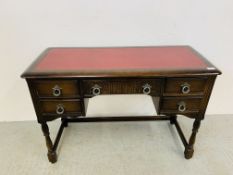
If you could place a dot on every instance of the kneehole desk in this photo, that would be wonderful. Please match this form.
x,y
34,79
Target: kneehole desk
x,y
178,78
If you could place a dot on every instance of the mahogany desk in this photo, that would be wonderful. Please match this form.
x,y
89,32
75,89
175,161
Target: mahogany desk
x,y
60,79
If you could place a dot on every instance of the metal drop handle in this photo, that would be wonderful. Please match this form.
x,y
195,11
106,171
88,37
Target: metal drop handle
x,y
96,89
57,91
146,89
60,109
185,88
182,106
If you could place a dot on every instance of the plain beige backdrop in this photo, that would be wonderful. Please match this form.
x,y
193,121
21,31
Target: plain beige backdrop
x,y
27,27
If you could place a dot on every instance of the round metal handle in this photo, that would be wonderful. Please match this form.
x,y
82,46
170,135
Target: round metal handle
x,y
146,89
182,106
56,91
96,90
60,109
185,88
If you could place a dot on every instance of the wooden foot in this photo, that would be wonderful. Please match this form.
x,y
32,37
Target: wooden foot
x,y
173,119
188,153
52,156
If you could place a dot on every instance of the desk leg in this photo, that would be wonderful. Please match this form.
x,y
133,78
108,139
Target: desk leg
x,y
188,153
64,121
173,119
52,155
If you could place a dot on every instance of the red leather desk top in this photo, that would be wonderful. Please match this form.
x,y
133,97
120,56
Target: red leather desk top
x,y
119,59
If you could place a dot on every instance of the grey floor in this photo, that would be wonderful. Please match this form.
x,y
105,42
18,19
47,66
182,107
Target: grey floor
x,y
121,148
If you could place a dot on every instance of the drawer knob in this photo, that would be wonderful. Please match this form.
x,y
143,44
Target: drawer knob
x,y
56,91
60,109
185,88
146,89
96,89
182,106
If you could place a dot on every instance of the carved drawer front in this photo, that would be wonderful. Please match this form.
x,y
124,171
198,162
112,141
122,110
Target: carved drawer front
x,y
128,86
180,105
57,88
59,107
184,86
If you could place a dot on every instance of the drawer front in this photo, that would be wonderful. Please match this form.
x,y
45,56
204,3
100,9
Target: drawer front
x,y
180,105
60,107
184,86
57,88
129,86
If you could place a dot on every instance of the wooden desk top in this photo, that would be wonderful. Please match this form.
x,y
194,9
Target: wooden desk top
x,y
119,62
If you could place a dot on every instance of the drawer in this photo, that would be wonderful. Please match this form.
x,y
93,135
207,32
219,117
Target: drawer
x,y
57,88
60,107
180,105
184,86
127,86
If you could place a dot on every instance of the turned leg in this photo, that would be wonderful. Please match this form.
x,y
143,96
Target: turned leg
x,y
188,153
52,156
173,119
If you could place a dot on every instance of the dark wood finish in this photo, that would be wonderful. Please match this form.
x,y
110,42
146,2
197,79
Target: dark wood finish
x,y
166,89
171,105
52,155
68,88
182,137
49,107
173,86
31,72
207,92
173,119
189,148
118,119
63,124
122,86
64,121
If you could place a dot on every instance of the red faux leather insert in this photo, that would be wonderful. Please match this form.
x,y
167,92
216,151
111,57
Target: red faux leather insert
x,y
120,58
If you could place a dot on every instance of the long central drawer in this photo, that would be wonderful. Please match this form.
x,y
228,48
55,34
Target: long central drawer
x,y
127,86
